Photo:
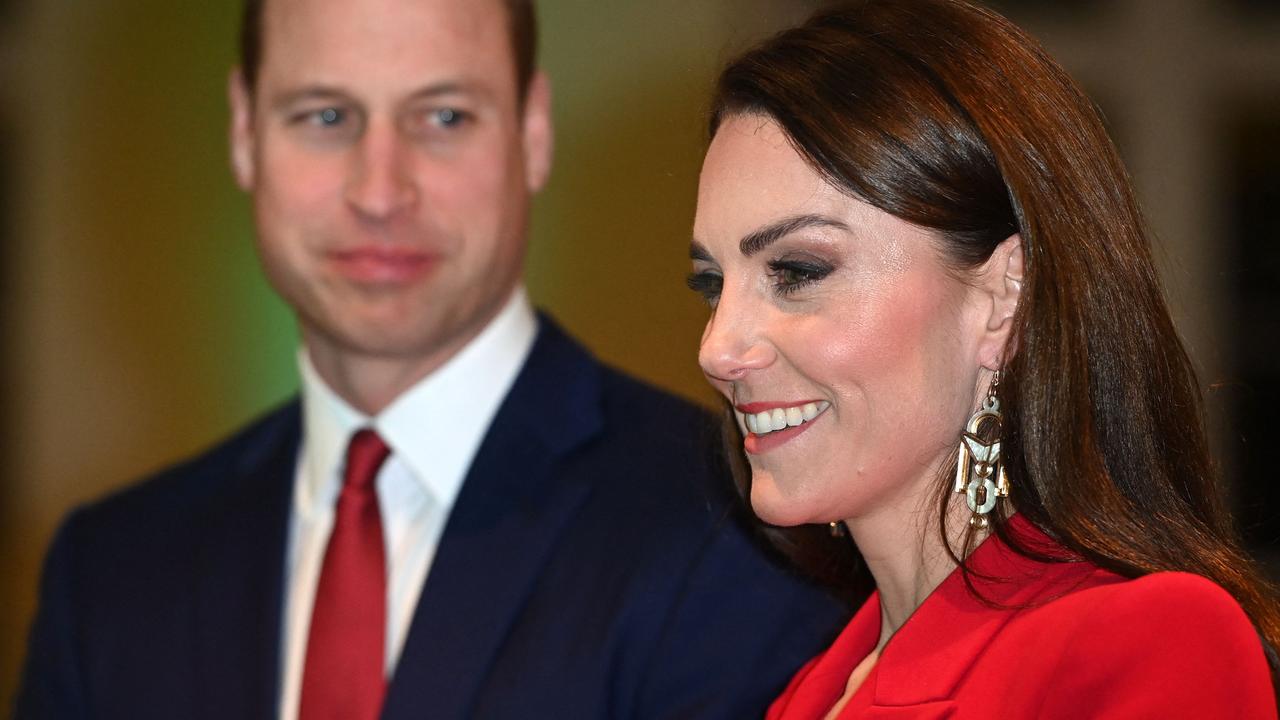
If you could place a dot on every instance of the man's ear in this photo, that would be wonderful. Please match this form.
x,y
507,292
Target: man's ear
x,y
240,133
1000,281
538,132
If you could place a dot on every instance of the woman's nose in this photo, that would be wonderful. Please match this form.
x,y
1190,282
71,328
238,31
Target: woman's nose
x,y
733,343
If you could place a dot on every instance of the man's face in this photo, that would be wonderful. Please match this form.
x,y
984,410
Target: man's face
x,y
391,166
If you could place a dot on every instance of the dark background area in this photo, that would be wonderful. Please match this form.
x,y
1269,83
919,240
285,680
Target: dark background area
x,y
1254,137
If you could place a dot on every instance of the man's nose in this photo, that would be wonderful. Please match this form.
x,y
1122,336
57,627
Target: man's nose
x,y
734,341
380,182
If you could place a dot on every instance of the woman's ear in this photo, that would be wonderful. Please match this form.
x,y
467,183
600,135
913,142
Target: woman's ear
x,y
1000,281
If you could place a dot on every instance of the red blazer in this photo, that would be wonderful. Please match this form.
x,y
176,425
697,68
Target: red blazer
x,y
1067,640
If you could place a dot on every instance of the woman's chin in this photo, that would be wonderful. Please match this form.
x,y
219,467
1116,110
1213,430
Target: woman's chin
x,y
774,507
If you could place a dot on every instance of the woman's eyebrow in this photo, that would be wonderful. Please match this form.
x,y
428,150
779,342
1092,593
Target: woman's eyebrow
x,y
698,251
760,239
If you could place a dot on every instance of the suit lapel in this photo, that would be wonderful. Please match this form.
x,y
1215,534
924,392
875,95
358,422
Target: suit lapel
x,y
503,527
240,577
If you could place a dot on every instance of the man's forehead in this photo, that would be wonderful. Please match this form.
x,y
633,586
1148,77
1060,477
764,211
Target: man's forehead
x,y
336,41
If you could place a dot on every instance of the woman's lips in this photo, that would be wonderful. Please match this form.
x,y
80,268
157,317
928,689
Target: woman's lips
x,y
767,425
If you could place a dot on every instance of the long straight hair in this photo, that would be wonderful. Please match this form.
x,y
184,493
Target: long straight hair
x,y
948,116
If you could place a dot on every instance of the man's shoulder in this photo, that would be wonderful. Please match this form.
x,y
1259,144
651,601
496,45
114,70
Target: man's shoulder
x,y
195,481
636,401
657,429
629,417
660,480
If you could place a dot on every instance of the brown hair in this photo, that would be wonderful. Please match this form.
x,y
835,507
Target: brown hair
x,y
522,16
948,116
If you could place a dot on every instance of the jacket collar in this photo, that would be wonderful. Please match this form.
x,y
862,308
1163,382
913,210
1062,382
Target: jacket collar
x,y
923,664
503,528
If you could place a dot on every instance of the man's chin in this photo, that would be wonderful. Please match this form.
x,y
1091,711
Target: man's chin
x,y
393,340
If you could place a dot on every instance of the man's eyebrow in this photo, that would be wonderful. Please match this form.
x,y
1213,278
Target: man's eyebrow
x,y
307,93
446,88
762,238
329,92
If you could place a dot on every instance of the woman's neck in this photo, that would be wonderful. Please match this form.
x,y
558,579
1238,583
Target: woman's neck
x,y
905,553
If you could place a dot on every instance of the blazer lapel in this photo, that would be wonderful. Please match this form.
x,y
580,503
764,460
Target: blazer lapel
x,y
925,662
503,527
240,571
825,682
939,710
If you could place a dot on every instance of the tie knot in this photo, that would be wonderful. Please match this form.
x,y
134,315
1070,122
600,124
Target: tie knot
x,y
365,455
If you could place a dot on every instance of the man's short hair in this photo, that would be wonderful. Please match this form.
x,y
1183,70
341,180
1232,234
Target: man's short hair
x,y
521,16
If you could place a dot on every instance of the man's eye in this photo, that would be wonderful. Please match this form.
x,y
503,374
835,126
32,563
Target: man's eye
x,y
324,117
326,125
448,117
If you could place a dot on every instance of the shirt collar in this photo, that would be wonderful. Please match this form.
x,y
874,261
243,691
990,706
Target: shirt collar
x,y
328,423
436,426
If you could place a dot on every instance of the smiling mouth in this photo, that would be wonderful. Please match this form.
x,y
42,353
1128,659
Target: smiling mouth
x,y
781,418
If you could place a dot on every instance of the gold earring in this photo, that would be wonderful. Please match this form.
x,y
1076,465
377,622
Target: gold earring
x,y
837,529
980,474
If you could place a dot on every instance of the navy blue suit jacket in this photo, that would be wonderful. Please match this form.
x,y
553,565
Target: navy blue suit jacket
x,y
592,567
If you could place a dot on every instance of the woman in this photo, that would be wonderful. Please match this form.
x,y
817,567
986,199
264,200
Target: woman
x,y
935,316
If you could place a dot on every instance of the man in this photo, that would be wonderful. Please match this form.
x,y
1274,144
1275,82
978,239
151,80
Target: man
x,y
465,515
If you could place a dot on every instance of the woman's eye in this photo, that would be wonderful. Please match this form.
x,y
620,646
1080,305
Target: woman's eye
x,y
707,284
792,275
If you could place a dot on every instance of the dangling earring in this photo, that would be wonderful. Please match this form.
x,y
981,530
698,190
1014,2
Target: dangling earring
x,y
837,529
979,471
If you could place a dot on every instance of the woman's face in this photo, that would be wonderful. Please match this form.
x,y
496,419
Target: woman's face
x,y
848,351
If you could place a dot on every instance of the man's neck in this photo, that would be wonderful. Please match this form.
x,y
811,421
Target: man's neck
x,y
369,383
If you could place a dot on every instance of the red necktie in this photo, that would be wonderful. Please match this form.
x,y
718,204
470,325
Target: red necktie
x,y
343,678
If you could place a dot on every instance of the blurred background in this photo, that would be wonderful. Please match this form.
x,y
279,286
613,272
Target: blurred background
x,y
138,328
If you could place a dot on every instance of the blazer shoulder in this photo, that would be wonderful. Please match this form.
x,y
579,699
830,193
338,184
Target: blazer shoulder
x,y
557,355
191,482
1160,601
1168,642
1107,611
674,442
624,393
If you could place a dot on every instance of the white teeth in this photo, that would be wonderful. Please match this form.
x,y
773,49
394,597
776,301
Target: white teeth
x,y
767,421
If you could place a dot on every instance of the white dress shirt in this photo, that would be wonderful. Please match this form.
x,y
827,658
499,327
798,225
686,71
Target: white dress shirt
x,y
434,430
